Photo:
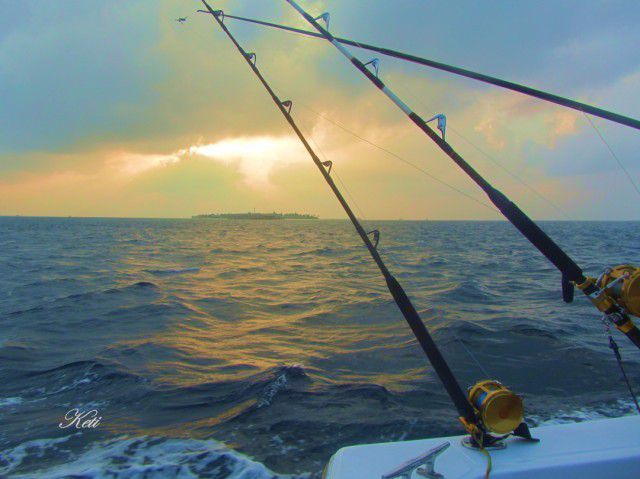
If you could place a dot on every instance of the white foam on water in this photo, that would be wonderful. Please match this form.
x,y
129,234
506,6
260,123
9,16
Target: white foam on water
x,y
183,458
272,389
12,458
13,401
615,409
136,458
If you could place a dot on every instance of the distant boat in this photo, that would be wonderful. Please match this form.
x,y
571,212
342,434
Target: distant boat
x,y
257,216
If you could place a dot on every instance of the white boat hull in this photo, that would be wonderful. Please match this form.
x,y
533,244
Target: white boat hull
x,y
607,448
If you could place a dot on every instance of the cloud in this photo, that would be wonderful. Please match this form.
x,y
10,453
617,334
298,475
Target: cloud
x,y
563,124
137,163
121,100
255,157
70,71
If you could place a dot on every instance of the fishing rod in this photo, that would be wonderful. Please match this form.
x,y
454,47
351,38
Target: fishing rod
x,y
504,412
616,293
542,95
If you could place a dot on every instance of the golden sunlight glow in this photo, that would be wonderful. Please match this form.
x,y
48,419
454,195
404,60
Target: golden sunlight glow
x,y
136,163
254,157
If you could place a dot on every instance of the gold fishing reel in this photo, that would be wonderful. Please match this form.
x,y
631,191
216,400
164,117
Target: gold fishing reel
x,y
500,410
621,285
616,293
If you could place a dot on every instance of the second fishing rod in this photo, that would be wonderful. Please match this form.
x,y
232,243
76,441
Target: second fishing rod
x,y
490,411
457,395
613,307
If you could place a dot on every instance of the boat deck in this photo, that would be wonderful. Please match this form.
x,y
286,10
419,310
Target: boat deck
x,y
607,448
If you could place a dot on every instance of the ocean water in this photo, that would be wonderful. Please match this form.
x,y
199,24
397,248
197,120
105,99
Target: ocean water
x,y
231,349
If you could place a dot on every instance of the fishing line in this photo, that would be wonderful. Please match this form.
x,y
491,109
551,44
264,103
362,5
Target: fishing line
x,y
472,356
418,168
368,47
392,256
512,174
616,352
309,134
615,157
489,462
493,160
398,157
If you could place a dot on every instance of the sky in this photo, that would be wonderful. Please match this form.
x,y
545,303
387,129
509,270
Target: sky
x,y
115,109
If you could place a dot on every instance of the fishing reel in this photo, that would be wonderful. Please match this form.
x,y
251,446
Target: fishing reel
x,y
617,288
621,285
499,411
616,294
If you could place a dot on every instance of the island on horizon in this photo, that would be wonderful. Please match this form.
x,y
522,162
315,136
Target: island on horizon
x,y
257,216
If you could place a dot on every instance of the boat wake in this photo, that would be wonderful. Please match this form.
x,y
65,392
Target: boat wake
x,y
132,457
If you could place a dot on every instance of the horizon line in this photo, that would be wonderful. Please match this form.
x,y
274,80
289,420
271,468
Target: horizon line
x,y
317,219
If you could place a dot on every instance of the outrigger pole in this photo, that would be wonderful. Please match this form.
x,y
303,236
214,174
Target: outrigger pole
x,y
571,272
509,85
464,408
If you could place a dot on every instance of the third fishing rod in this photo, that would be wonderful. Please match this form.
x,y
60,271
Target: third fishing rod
x,y
614,305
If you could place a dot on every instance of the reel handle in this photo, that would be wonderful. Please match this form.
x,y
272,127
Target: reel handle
x,y
567,290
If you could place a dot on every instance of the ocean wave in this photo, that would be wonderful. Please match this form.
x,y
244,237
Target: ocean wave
x,y
363,391
171,272
132,458
173,351
12,401
133,286
73,376
85,364
255,391
324,251
49,282
283,375
86,296
227,251
240,272
131,241
469,290
530,330
618,408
